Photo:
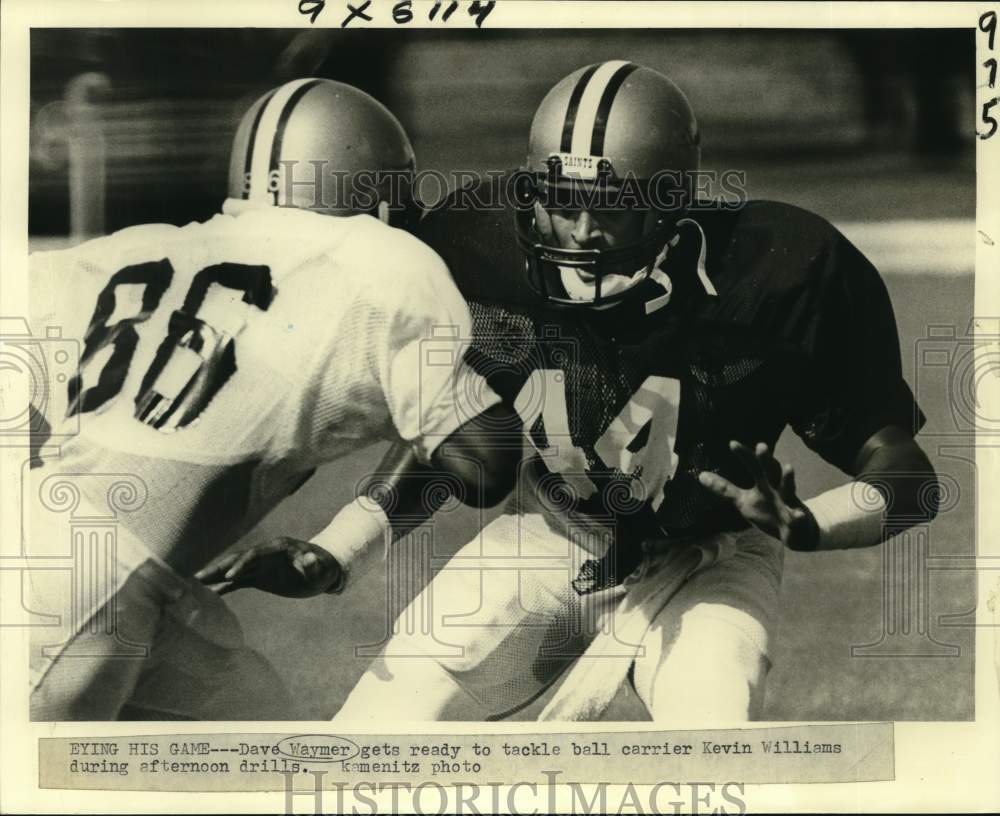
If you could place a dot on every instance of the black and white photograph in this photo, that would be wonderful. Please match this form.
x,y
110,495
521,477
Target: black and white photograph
x,y
399,369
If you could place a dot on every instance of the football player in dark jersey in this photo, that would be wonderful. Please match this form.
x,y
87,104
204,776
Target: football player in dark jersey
x,y
655,350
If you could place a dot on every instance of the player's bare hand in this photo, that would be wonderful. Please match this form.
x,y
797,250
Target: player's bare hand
x,y
771,504
284,566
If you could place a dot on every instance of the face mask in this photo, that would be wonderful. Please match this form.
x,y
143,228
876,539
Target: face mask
x,y
582,289
585,289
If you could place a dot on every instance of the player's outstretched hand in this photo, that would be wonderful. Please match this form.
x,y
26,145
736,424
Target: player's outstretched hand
x,y
283,566
772,504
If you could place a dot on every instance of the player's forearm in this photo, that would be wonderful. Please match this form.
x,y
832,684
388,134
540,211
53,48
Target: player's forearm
x,y
476,464
847,517
908,484
360,534
481,457
895,487
392,502
356,538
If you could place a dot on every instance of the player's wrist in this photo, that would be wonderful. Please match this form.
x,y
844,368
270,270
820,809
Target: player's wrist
x,y
807,538
849,516
355,539
338,581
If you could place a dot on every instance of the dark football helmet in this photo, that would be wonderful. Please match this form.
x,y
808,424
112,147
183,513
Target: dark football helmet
x,y
613,136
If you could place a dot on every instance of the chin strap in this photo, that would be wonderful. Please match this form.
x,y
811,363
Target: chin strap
x,y
573,284
702,273
662,279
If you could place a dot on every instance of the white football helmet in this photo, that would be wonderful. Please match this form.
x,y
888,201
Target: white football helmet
x,y
321,145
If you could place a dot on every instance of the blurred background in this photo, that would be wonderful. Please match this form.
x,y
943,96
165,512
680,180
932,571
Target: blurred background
x,y
872,129
165,103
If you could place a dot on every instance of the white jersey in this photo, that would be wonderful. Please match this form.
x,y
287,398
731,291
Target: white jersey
x,y
220,362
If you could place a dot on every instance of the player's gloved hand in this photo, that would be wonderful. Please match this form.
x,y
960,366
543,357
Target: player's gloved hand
x,y
772,504
283,566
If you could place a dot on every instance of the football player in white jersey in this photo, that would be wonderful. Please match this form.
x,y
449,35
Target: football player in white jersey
x,y
221,363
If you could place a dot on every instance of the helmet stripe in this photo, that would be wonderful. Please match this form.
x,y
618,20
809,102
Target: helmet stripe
x,y
604,107
251,138
267,132
286,112
574,104
590,103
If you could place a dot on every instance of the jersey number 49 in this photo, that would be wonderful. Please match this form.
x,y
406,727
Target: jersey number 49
x,y
638,442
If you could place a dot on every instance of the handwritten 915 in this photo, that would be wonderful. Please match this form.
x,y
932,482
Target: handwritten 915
x,y
988,25
360,11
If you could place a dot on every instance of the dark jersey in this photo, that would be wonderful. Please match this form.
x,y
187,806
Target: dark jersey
x,y
624,408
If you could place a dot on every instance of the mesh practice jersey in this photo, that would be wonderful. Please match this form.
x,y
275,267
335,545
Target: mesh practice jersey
x,y
626,406
220,362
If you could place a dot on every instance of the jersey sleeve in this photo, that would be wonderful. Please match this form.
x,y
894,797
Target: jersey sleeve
x,y
476,243
429,386
853,382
